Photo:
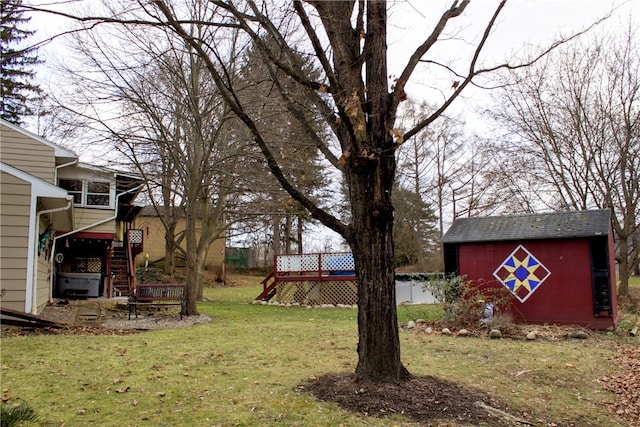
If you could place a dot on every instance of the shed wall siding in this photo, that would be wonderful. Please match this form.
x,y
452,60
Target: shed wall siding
x,y
27,154
565,297
14,232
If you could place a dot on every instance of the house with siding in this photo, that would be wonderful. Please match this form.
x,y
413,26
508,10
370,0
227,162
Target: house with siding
x,y
65,227
150,222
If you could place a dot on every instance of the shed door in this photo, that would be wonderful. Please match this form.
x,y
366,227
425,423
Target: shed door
x,y
600,277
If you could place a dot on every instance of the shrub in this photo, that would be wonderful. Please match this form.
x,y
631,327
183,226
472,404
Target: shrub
x,y
469,303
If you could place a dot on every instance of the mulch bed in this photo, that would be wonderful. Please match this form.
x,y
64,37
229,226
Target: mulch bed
x,y
421,399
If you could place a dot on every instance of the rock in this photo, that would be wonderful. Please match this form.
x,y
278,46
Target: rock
x,y
264,302
446,331
579,334
532,336
420,321
429,330
463,333
495,334
411,324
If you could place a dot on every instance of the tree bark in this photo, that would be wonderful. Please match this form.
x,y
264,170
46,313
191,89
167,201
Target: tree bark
x,y
371,180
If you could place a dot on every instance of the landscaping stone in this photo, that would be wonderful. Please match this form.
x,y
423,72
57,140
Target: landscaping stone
x,y
579,334
429,330
532,336
495,334
446,331
411,324
463,333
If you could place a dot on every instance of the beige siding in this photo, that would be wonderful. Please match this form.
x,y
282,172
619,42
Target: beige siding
x,y
27,154
14,232
85,217
154,241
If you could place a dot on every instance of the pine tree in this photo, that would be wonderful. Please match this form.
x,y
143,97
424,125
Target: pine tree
x,y
17,90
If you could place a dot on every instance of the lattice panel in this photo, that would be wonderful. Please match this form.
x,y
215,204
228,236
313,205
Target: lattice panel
x,y
338,262
87,265
317,293
286,263
135,236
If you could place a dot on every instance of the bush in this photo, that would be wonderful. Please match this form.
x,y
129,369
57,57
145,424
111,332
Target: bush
x,y
469,303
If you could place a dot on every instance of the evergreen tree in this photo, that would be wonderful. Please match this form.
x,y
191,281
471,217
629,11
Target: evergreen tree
x,y
15,63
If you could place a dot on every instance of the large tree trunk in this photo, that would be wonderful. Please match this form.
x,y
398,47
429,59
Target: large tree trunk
x,y
372,245
371,180
192,276
623,268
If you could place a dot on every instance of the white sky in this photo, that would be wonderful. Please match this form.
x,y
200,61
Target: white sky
x,y
522,23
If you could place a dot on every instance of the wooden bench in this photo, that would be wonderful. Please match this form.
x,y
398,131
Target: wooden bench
x,y
158,295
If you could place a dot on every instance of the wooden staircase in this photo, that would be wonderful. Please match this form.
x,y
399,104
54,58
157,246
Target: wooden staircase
x,y
120,272
268,288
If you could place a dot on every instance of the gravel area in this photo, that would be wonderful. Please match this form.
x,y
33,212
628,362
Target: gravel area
x,y
115,315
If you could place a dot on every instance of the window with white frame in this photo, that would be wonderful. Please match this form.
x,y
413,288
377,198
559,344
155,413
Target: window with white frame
x,y
88,193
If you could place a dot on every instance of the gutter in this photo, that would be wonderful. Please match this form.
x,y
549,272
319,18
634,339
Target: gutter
x,y
55,173
86,227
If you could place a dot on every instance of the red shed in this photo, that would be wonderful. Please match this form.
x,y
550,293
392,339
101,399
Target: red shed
x,y
559,266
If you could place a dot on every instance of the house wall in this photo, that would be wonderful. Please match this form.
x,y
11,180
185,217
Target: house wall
x,y
84,217
27,154
14,232
565,297
154,242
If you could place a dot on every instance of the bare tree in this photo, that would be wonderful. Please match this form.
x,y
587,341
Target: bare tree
x,y
575,135
172,126
356,103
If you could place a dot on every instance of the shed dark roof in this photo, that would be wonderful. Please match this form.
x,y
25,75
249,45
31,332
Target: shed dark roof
x,y
558,225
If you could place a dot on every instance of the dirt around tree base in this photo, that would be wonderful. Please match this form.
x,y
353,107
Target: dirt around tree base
x,y
424,400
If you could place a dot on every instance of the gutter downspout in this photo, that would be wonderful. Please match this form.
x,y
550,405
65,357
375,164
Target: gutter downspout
x,y
64,165
34,283
86,227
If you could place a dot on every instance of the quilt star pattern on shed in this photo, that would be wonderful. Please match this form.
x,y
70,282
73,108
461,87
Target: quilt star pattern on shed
x,y
522,273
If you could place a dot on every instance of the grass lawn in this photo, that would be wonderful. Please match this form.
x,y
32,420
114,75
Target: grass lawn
x,y
242,369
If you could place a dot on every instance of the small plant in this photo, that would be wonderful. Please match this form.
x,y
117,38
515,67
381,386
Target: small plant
x,y
11,416
469,303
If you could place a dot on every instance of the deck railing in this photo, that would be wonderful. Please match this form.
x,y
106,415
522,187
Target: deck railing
x,y
320,266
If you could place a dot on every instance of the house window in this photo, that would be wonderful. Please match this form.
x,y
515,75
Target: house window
x,y
88,193
74,188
